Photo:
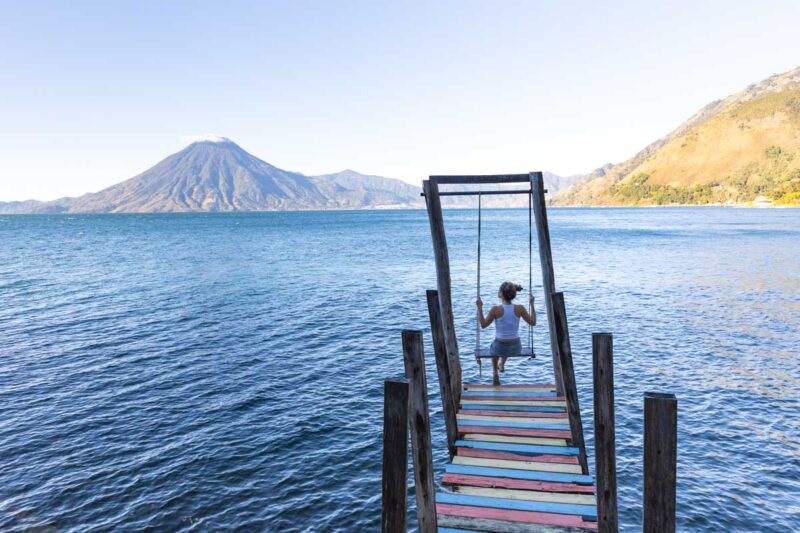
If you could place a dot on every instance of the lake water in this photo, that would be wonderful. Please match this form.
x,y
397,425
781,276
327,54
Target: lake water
x,y
213,372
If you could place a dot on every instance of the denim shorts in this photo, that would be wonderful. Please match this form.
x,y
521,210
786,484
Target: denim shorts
x,y
505,348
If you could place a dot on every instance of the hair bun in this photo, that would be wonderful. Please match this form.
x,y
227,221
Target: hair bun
x,y
519,288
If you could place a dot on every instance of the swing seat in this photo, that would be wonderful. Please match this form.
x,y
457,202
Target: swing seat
x,y
483,353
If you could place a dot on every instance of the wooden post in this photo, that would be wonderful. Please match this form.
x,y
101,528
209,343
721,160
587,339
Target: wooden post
x,y
436,219
660,460
604,432
570,388
546,260
443,368
395,456
420,430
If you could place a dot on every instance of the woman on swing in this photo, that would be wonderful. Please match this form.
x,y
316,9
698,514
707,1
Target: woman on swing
x,y
506,318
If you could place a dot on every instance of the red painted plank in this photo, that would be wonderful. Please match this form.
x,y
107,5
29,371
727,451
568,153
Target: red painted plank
x,y
526,414
476,386
528,517
491,454
466,397
516,432
508,483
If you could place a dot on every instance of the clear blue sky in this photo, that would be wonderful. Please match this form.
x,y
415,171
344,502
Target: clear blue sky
x,y
92,93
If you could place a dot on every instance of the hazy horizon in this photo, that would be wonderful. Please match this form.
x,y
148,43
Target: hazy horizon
x,y
93,96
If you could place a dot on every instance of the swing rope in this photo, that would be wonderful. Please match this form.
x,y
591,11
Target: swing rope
x,y
478,283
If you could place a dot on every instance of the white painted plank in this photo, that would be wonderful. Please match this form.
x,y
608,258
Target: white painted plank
x,y
520,465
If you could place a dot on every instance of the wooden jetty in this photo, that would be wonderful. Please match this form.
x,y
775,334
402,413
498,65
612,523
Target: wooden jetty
x,y
518,460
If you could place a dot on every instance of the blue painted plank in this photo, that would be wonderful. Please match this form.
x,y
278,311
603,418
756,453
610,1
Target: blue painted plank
x,y
532,475
517,505
525,449
451,530
493,394
526,408
523,425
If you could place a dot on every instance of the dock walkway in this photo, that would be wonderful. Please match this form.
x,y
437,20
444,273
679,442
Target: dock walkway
x,y
515,469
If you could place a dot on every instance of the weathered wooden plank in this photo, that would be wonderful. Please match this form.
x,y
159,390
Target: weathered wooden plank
x,y
523,449
525,408
509,386
556,414
542,441
521,465
395,456
517,505
420,429
515,402
551,519
479,179
504,394
442,259
660,458
520,484
505,423
467,396
579,479
560,497
604,432
546,261
471,525
443,368
493,454
517,432
568,376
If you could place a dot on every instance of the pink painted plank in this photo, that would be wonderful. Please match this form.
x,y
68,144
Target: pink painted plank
x,y
509,483
526,414
528,517
491,454
517,432
466,396
476,386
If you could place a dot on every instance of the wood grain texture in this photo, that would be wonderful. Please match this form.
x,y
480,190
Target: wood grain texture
x,y
512,394
420,430
442,259
604,432
525,408
511,483
511,386
516,432
449,401
515,398
524,449
660,459
568,377
546,261
471,525
517,505
542,441
562,415
512,423
560,497
514,402
493,454
521,465
395,457
551,519
578,479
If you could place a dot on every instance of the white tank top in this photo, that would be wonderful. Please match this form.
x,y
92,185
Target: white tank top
x,y
507,326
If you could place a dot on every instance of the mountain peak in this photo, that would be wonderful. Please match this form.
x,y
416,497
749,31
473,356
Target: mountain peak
x,y
209,138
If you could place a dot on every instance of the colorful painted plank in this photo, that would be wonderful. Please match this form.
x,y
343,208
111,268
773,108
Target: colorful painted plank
x,y
497,429
523,449
492,454
559,497
451,530
515,399
519,421
518,484
510,394
542,441
513,414
483,386
530,517
579,479
514,402
517,505
472,525
525,408
521,465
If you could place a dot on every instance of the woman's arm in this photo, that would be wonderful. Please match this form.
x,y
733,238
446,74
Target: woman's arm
x,y
530,318
489,318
